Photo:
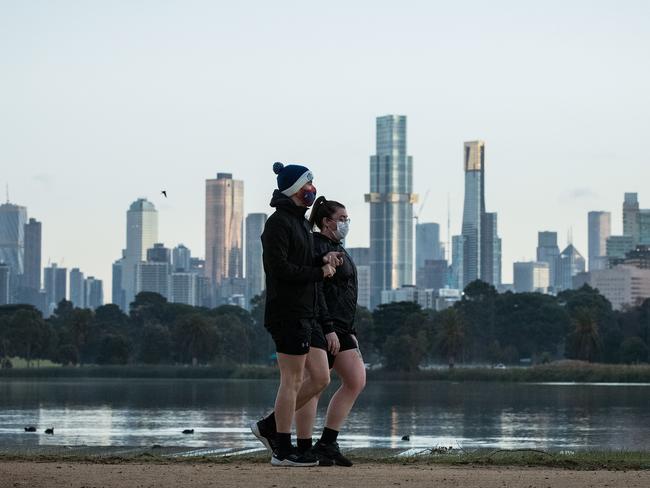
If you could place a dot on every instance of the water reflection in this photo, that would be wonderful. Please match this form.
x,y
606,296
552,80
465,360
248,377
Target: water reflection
x,y
468,415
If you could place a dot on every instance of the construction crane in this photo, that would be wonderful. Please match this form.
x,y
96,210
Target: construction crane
x,y
417,215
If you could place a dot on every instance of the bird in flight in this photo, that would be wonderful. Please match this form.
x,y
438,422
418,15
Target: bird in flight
x,y
164,192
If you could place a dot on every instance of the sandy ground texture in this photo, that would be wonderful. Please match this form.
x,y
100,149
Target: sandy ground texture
x,y
23,474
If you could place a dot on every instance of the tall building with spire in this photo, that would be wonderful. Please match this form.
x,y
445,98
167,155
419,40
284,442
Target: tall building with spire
x,y
391,200
224,229
482,246
473,209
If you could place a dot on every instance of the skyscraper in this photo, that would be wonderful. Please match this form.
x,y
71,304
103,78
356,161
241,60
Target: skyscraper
x,y
77,288
255,281
549,252
391,201
141,234
571,263
473,209
118,296
427,243
12,242
55,284
482,246
600,229
457,256
5,275
32,266
490,250
94,293
631,217
427,246
224,222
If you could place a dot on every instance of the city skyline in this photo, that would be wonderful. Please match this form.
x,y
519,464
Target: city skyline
x,y
633,220
559,109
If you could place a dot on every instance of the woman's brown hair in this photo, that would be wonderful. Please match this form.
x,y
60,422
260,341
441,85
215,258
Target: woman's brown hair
x,y
323,208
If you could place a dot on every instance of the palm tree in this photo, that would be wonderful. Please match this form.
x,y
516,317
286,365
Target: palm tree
x,y
197,337
586,337
450,336
79,323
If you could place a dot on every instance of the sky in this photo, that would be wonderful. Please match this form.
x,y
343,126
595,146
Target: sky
x,y
103,102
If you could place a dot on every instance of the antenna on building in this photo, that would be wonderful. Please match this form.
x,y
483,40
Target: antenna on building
x,y
570,236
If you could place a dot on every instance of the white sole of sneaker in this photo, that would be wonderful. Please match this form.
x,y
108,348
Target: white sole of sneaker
x,y
285,462
256,432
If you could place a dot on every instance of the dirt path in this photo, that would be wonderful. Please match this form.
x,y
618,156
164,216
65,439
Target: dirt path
x,y
244,475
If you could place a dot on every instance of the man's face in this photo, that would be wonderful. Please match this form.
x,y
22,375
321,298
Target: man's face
x,y
306,195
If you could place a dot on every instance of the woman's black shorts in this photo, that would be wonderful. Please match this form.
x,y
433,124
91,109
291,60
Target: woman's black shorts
x,y
346,340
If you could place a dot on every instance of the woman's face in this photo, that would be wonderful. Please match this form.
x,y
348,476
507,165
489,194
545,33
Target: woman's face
x,y
341,215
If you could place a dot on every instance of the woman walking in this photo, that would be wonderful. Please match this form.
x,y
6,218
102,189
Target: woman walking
x,y
336,311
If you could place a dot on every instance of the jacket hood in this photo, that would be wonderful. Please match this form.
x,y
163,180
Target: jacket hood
x,y
280,201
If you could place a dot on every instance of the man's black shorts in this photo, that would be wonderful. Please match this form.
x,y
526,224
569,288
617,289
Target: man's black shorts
x,y
293,336
346,340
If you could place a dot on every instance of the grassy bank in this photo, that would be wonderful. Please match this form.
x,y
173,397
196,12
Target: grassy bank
x,y
171,372
588,460
561,371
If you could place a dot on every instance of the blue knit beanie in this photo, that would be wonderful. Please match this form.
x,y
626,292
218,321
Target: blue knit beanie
x,y
291,177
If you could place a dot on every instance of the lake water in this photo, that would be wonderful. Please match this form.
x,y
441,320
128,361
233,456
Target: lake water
x,y
134,412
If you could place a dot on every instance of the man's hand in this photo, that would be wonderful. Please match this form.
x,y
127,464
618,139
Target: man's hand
x,y
328,271
334,258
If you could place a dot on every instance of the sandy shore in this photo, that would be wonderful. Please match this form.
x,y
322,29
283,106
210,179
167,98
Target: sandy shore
x,y
23,474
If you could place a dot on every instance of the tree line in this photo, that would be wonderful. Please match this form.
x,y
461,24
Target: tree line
x,y
484,327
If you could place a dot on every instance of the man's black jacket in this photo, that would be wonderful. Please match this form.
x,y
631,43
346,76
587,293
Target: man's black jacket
x,y
292,269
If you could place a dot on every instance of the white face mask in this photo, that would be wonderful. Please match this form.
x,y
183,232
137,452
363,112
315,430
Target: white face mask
x,y
342,229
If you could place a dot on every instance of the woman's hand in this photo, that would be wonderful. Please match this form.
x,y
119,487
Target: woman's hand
x,y
333,258
333,344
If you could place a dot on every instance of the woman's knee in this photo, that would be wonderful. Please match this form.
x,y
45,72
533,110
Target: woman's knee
x,y
355,383
321,380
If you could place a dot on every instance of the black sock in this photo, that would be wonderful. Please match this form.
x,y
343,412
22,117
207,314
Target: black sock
x,y
284,441
329,436
304,444
269,422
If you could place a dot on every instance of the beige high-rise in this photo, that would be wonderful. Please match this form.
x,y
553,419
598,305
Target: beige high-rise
x,y
224,218
141,234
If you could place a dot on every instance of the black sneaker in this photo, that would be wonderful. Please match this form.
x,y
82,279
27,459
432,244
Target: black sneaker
x,y
294,459
331,452
265,435
322,459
